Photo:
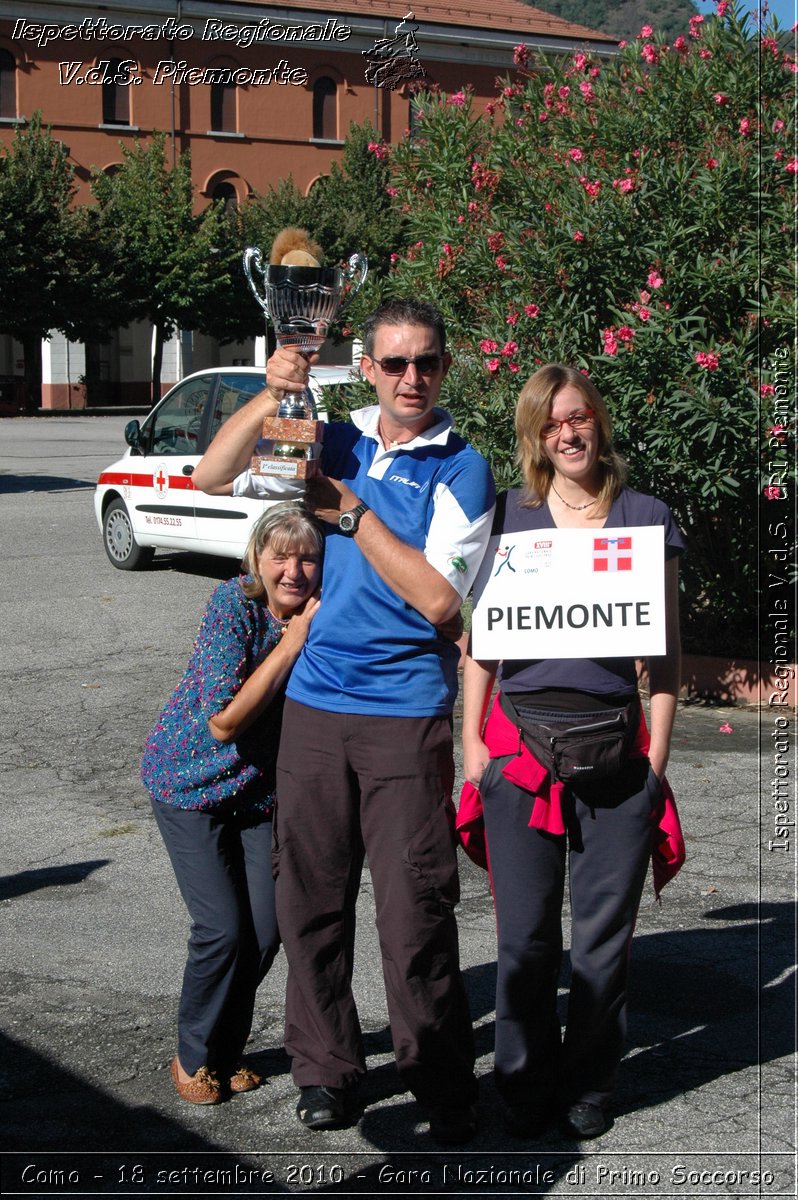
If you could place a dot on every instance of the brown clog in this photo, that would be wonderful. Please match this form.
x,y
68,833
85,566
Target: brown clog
x,y
244,1079
201,1088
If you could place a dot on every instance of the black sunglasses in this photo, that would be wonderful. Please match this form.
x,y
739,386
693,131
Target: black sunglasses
x,y
394,364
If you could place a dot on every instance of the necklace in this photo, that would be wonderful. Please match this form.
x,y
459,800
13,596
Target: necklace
x,y
573,507
281,624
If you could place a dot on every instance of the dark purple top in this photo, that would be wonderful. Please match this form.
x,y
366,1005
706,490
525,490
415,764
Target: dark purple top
x,y
598,676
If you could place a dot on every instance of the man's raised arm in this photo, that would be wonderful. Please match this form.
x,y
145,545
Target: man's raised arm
x,y
231,450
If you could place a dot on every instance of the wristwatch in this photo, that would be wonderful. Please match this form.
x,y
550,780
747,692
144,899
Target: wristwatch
x,y
349,521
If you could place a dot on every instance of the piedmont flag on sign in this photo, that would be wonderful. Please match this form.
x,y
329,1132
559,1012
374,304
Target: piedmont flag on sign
x,y
612,554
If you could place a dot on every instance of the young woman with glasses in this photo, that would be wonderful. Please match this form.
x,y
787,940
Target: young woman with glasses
x,y
601,833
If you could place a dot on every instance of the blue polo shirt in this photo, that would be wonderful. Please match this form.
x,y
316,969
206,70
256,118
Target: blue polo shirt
x,y
368,651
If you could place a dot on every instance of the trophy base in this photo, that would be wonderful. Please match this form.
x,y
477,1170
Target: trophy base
x,y
292,429
285,468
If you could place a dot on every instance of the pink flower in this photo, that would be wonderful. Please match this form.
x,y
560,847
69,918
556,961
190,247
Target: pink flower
x,y
512,318
722,8
610,344
501,262
564,92
394,258
587,91
792,166
532,310
645,297
580,61
778,126
579,236
378,149
490,108
720,98
493,365
460,219
622,45
711,163
710,362
649,54
575,154
643,314
509,349
625,334
680,45
624,185
457,100
779,432
488,346
392,191
495,242
646,31
543,116
705,54
772,493
767,389
745,127
472,206
695,25
521,55
513,366
654,280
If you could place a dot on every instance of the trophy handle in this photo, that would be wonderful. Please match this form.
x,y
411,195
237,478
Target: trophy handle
x,y
354,272
253,257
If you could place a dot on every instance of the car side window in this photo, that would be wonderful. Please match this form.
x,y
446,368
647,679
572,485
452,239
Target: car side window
x,y
176,425
234,392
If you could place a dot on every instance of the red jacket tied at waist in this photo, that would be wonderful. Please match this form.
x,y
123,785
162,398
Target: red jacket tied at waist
x,y
502,737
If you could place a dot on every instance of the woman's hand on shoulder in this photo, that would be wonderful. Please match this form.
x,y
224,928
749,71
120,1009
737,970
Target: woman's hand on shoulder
x,y
297,629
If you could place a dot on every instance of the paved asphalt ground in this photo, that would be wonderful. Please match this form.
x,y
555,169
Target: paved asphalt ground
x,y
93,932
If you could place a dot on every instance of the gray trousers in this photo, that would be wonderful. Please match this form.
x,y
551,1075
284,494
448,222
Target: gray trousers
x,y
347,786
607,849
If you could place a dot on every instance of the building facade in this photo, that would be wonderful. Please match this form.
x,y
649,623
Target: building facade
x,y
256,92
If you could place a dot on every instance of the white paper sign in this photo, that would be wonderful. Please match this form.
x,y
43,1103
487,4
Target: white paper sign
x,y
571,593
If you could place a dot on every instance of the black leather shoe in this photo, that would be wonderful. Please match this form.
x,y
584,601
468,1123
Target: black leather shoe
x,y
453,1125
526,1120
586,1121
321,1107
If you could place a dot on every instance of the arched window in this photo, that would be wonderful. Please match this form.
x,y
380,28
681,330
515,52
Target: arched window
x,y
116,95
8,84
325,109
223,108
225,194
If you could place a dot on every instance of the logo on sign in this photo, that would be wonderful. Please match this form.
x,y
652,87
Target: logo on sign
x,y
612,554
503,554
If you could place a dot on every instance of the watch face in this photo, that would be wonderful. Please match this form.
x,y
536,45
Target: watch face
x,y
346,521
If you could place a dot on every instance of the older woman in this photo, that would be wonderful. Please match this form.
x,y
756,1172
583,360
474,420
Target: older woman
x,y
604,830
209,765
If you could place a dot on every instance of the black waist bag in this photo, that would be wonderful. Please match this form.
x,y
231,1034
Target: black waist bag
x,y
577,746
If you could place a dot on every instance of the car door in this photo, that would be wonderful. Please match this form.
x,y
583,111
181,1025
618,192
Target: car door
x,y
162,496
223,522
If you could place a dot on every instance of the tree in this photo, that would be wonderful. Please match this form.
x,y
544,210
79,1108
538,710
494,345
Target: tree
x,y
36,189
633,218
623,18
177,265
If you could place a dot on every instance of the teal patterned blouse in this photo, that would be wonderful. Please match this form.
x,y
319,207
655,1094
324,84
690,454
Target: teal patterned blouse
x,y
183,764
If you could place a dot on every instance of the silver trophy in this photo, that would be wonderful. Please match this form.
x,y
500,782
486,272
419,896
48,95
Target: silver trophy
x,y
302,302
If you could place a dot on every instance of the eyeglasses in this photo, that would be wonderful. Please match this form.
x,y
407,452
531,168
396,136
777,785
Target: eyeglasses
x,y
394,364
576,421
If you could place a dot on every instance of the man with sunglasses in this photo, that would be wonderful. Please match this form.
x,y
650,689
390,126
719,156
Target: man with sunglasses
x,y
366,761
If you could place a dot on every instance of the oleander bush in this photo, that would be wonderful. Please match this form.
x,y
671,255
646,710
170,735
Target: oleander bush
x,y
632,216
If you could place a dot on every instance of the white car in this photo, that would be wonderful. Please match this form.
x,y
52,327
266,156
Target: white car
x,y
147,500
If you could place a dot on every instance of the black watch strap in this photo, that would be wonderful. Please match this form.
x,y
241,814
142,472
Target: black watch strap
x,y
349,521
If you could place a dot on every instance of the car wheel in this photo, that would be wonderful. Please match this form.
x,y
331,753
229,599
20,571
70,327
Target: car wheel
x,y
119,541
